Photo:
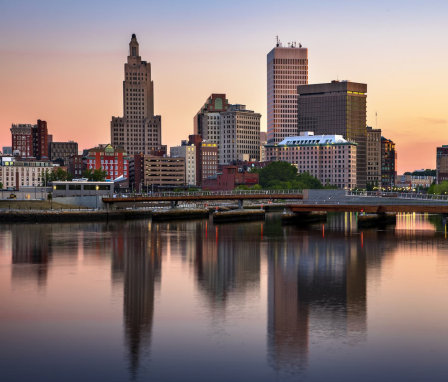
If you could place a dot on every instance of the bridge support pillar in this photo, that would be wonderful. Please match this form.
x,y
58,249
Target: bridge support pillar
x,y
240,204
174,203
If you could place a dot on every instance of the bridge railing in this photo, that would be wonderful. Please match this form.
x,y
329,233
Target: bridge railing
x,y
399,195
215,193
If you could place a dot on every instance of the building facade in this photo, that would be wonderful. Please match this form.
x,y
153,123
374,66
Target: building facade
x,y
114,161
206,158
62,151
188,152
388,164
30,141
230,177
23,173
287,67
263,142
152,172
139,130
233,128
22,140
442,164
329,158
373,157
338,108
77,164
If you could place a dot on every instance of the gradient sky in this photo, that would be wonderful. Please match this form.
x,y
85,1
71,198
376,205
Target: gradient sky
x,y
62,61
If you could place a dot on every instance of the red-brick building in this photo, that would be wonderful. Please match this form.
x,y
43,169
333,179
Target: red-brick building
x,y
113,160
30,141
229,178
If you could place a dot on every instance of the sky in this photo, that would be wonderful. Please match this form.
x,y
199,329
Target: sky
x,y
63,61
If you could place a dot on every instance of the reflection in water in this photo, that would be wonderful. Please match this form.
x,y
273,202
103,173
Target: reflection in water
x,y
227,259
317,288
316,279
137,253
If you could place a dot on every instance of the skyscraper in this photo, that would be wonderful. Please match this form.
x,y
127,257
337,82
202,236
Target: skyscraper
x,y
139,130
337,108
287,68
388,163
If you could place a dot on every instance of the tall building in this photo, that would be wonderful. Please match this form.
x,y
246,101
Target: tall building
x,y
287,67
337,108
40,140
388,163
139,130
442,164
188,152
233,128
329,158
263,142
206,158
373,157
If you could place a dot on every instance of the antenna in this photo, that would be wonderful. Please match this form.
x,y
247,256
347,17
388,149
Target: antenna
x,y
278,41
376,119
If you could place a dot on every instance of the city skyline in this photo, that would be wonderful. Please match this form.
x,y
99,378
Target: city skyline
x,y
393,48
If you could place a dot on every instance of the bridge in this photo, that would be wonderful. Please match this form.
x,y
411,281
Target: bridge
x,y
197,196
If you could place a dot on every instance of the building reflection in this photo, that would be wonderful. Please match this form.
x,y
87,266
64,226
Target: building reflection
x,y
32,246
137,255
227,260
316,288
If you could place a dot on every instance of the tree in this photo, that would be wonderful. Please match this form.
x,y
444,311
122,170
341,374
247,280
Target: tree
x,y
439,189
97,175
1,186
55,175
283,175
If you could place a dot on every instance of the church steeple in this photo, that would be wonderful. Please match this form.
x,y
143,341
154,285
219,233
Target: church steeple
x,y
133,46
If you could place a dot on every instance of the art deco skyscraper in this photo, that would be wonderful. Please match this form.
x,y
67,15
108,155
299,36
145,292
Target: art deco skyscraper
x,y
287,68
139,130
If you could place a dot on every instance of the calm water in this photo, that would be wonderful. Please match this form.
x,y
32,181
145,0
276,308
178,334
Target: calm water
x,y
191,301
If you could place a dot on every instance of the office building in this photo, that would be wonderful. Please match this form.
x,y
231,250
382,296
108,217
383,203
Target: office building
x,y
263,142
150,172
388,164
373,157
206,158
337,108
329,158
188,152
139,130
233,128
77,164
114,161
287,68
61,152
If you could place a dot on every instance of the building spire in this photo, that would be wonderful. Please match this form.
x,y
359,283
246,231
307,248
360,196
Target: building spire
x,y
133,46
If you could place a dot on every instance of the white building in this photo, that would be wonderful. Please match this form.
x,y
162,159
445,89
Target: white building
x,y
16,174
287,68
189,153
329,158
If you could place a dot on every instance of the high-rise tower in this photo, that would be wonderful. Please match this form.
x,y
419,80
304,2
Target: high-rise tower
x,y
287,68
139,130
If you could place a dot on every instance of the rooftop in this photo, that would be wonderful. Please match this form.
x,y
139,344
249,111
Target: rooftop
x,y
310,139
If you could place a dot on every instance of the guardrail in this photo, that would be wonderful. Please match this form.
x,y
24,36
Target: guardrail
x,y
399,195
213,193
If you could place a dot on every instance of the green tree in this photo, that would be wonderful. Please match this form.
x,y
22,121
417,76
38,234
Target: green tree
x,y
97,175
283,175
439,189
1,186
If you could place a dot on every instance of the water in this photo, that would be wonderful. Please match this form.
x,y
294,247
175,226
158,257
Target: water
x,y
190,301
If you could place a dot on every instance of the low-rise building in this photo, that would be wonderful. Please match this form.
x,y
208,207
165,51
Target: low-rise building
x,y
15,174
61,152
230,177
82,188
206,158
414,182
442,164
77,164
112,160
329,158
150,172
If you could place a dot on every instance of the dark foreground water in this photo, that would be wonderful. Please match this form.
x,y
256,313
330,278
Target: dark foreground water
x,y
190,301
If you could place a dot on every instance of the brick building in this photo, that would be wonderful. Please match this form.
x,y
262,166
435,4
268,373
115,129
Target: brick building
x,y
114,161
229,178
